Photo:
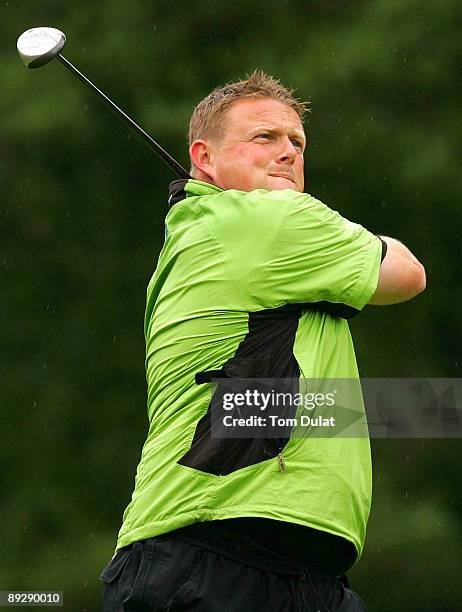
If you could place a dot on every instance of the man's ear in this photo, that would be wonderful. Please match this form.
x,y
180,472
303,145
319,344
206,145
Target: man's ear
x,y
201,155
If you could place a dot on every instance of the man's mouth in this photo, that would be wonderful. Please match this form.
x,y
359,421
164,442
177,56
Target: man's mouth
x,y
285,176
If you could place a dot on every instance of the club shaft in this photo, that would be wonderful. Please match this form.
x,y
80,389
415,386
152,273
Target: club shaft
x,y
174,165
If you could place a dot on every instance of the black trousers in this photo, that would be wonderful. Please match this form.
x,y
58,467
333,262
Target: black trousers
x,y
169,574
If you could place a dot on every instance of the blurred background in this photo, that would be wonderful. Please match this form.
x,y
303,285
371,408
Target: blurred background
x,y
81,225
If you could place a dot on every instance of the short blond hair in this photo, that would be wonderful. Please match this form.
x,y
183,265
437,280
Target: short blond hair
x,y
207,118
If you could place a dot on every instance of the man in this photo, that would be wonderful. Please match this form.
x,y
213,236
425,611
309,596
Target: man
x,y
256,280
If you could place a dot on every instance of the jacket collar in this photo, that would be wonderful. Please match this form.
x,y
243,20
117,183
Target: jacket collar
x,y
182,188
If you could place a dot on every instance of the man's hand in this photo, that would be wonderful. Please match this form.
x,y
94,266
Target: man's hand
x,y
401,277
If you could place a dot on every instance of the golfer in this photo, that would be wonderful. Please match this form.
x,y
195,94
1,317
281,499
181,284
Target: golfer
x,y
256,279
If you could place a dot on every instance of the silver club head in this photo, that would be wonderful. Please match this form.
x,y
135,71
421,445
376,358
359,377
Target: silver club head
x,y
38,46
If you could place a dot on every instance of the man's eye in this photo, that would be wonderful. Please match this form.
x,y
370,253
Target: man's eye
x,y
297,143
264,135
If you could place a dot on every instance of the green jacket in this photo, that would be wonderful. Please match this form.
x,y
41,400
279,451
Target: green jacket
x,y
250,278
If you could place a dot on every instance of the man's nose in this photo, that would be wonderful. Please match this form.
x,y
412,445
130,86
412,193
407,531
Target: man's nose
x,y
287,152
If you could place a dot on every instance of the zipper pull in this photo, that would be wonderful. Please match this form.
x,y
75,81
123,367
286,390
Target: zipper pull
x,y
282,463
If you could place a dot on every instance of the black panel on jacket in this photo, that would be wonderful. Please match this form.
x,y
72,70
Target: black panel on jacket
x,y
335,310
384,248
265,352
176,191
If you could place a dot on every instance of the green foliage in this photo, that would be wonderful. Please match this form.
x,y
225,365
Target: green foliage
x,y
81,225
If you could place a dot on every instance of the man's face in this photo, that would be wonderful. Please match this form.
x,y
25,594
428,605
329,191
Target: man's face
x,y
261,147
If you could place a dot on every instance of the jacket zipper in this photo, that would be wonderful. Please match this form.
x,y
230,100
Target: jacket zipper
x,y
282,462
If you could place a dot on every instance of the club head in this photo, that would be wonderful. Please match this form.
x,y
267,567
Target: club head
x,y
38,46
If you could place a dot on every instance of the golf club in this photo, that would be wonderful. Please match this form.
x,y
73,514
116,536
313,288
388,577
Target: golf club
x,y
38,46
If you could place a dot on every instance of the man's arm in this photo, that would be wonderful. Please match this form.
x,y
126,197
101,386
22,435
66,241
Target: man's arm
x,y
401,276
